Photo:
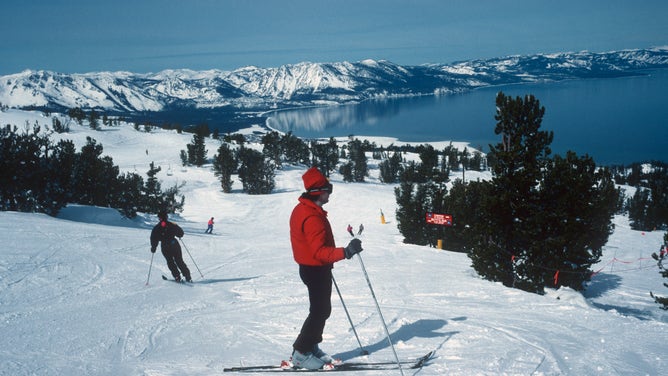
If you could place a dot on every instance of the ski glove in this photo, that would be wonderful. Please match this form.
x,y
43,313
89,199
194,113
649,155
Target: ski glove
x,y
153,249
353,248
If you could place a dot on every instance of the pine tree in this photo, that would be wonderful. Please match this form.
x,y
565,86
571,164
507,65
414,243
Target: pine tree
x,y
197,150
93,175
94,120
428,168
295,150
59,164
224,165
325,155
358,159
660,258
390,168
272,147
657,182
151,192
130,197
256,174
415,197
346,170
648,208
463,201
545,221
578,201
451,155
184,158
77,114
504,245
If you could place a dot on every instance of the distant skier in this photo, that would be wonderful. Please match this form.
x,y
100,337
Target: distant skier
x,y
166,233
350,230
314,250
359,232
209,228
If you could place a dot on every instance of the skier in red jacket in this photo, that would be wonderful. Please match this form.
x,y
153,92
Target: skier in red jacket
x,y
314,250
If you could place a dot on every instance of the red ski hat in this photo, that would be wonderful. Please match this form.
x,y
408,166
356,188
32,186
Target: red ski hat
x,y
315,182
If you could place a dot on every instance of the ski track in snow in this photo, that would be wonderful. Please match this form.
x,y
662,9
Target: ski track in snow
x,y
74,298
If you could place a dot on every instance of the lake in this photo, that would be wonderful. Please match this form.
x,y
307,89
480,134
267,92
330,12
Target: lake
x,y
614,120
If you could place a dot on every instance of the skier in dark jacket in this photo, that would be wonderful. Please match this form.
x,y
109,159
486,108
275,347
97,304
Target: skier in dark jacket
x,y
166,233
314,250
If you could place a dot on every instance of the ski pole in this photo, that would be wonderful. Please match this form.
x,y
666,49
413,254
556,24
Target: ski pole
x,y
364,352
191,257
149,268
387,332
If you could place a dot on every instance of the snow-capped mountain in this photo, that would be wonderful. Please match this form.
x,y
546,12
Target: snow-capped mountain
x,y
258,89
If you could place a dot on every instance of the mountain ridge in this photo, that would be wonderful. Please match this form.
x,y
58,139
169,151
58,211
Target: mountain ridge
x,y
253,90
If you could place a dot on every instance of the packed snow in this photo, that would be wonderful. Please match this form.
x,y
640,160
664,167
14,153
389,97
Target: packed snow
x,y
83,295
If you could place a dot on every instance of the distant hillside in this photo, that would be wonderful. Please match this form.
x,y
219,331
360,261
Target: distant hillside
x,y
247,91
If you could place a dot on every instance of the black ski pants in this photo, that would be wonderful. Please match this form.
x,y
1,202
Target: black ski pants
x,y
318,280
174,257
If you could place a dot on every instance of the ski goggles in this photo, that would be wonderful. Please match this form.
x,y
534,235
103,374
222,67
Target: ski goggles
x,y
329,188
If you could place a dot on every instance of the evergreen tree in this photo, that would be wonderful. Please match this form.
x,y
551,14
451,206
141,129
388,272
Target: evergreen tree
x,y
660,258
10,177
38,176
504,247
357,156
346,170
390,168
184,158
638,209
28,151
152,191
171,200
256,174
414,200
129,199
451,155
224,165
577,204
476,161
77,114
197,150
295,150
463,202
92,175
325,156
58,126
648,208
544,220
59,165
428,169
634,177
94,120
657,182
272,147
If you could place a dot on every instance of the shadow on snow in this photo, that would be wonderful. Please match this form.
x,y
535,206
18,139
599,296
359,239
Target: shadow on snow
x,y
420,328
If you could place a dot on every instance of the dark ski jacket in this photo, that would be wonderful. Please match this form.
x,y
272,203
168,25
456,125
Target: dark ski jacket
x,y
166,233
311,235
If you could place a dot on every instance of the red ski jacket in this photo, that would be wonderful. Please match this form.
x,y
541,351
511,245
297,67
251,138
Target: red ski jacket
x,y
311,235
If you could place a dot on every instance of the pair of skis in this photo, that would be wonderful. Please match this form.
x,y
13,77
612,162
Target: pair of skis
x,y
346,366
182,282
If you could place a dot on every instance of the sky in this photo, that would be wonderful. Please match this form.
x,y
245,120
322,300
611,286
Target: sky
x,y
80,36
80,294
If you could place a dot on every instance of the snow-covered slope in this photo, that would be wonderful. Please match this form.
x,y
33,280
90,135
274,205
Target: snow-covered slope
x,y
76,297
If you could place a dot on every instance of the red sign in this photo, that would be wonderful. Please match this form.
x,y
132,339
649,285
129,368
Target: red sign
x,y
439,219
